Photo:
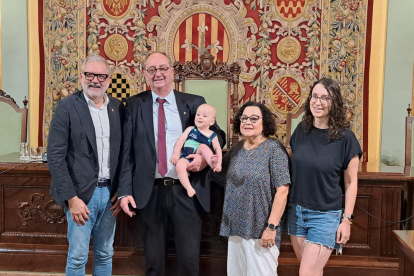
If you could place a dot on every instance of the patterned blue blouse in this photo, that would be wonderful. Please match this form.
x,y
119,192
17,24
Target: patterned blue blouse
x,y
250,178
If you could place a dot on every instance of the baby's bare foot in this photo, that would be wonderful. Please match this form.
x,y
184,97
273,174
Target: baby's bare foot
x,y
191,192
214,161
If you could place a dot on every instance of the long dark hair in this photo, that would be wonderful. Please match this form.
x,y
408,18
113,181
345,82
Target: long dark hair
x,y
269,126
337,122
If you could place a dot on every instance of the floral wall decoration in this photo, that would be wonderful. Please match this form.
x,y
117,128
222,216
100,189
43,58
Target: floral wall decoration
x,y
283,46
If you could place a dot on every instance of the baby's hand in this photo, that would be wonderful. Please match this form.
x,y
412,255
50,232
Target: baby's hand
x,y
174,159
218,168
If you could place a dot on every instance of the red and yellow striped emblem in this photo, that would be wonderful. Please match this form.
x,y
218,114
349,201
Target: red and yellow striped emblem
x,y
201,31
286,92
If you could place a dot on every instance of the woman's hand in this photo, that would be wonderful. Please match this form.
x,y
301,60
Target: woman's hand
x,y
268,238
344,231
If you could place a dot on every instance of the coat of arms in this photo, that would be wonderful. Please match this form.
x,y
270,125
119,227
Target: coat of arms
x,y
286,93
116,8
290,9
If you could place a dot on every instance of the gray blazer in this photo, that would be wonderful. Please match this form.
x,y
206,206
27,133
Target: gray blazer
x,y
72,152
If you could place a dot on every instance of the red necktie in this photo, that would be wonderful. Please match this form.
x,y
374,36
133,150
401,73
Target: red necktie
x,y
162,149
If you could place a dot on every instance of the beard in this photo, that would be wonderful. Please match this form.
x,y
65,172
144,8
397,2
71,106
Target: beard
x,y
87,89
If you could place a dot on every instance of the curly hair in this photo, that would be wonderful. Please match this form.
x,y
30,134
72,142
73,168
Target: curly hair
x,y
269,126
337,122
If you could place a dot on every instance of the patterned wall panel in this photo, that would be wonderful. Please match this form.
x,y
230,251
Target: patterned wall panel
x,y
283,46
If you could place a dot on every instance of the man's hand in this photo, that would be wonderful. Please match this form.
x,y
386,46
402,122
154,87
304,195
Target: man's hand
x,y
217,169
78,210
197,164
117,206
124,204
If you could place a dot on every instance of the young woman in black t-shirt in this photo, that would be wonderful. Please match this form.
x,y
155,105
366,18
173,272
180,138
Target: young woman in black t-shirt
x,y
325,157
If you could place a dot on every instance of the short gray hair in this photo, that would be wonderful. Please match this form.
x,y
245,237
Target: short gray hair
x,y
96,58
155,52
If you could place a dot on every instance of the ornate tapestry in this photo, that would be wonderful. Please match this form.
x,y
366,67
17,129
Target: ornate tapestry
x,y
283,46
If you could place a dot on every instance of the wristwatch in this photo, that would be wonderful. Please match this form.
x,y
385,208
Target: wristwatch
x,y
271,226
348,216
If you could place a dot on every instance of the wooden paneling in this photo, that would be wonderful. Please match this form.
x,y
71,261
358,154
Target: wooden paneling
x,y
405,245
33,229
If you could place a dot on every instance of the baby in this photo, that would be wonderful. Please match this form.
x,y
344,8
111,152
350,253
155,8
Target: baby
x,y
191,139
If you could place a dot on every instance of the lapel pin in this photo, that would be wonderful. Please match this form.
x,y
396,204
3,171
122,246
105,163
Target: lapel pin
x,y
112,110
185,112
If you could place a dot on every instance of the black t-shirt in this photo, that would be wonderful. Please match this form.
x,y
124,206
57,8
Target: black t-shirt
x,y
318,167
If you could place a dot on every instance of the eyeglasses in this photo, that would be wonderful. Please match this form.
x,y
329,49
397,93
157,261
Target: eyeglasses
x,y
90,76
153,70
323,99
253,119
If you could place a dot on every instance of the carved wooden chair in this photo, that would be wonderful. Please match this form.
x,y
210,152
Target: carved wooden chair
x,y
13,124
408,137
215,81
292,121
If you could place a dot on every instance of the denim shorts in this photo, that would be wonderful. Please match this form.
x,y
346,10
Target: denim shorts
x,y
318,227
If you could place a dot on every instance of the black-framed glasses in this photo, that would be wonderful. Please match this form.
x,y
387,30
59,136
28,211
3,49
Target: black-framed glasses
x,y
153,70
323,99
90,76
253,119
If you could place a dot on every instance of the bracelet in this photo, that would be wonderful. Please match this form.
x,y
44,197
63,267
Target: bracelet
x,y
348,220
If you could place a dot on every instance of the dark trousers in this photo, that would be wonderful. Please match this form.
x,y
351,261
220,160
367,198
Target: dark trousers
x,y
170,206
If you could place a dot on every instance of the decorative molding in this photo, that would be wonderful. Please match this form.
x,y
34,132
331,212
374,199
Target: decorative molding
x,y
8,97
4,95
207,69
52,212
234,19
33,235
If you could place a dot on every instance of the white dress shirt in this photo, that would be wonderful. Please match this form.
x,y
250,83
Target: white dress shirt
x,y
100,121
173,129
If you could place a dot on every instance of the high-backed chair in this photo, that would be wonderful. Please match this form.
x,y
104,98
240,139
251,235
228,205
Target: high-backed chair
x,y
215,81
13,124
408,137
292,121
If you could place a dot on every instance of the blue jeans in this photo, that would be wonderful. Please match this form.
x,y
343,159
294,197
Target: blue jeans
x,y
101,226
318,227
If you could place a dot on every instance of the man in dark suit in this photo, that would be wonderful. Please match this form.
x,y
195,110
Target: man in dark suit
x,y
149,182
83,152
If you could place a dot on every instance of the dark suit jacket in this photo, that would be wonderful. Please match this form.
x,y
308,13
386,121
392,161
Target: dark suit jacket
x,y
140,157
72,151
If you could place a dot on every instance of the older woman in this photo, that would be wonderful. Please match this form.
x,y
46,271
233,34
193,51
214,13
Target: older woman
x,y
255,173
325,156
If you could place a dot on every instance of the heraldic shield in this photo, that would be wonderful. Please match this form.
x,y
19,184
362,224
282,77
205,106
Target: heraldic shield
x,y
286,95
